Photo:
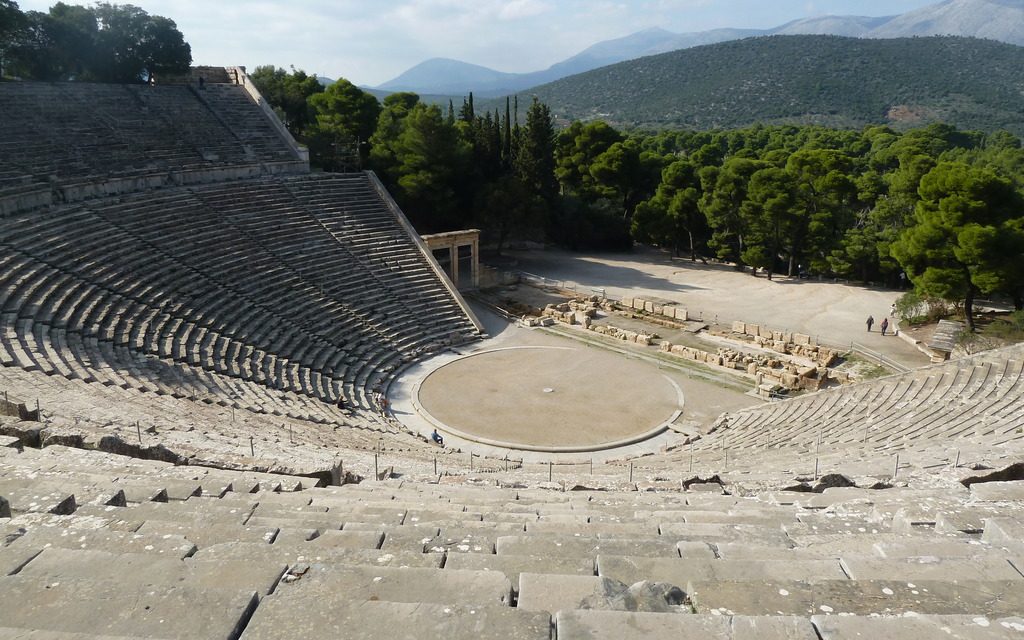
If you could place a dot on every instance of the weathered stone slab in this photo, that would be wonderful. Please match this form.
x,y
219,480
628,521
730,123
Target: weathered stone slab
x,y
30,497
1002,531
361,583
332,539
616,625
681,572
14,558
329,618
930,568
327,522
110,608
543,592
147,570
512,566
204,536
10,633
1012,491
5,508
918,627
860,597
292,554
560,546
172,546
711,532
448,540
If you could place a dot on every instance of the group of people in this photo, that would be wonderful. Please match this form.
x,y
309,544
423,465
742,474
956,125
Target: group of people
x,y
885,322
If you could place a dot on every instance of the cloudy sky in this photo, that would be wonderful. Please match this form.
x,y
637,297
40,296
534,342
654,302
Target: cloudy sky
x,y
372,41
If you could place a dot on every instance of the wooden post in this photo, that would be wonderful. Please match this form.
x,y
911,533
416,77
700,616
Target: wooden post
x,y
691,457
896,469
290,438
631,472
815,469
138,429
726,459
957,463
376,469
550,471
470,460
252,446
591,466
39,413
435,465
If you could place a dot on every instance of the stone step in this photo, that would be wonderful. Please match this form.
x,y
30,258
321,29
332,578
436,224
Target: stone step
x,y
716,532
106,539
13,558
512,566
144,570
918,627
114,609
323,618
859,597
296,553
552,593
579,547
210,534
616,625
390,584
448,540
1012,491
681,572
924,568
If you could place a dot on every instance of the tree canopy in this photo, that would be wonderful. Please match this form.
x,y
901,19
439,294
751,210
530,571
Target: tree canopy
x,y
103,43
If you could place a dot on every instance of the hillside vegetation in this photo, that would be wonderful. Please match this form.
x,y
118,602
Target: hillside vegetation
x,y
827,80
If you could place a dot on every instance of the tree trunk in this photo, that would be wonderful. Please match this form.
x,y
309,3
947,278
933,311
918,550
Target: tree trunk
x,y
969,308
693,250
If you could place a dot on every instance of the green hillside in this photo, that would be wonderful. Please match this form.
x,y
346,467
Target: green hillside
x,y
828,80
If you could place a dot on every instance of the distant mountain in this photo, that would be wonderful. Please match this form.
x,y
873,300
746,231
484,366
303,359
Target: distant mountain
x,y
1001,20
451,77
829,80
849,26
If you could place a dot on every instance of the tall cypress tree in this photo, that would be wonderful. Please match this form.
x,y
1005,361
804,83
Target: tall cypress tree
x,y
506,135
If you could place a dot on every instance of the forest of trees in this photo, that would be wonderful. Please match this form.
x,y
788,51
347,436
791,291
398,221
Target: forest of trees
x,y
102,43
942,207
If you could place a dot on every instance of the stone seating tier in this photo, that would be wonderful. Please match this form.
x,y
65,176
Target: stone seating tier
x,y
74,137
246,280
263,555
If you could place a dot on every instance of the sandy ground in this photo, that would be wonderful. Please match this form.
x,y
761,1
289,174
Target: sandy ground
x,y
569,395
833,312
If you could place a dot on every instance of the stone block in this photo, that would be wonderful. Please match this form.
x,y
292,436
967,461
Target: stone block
x,y
512,566
544,592
616,625
335,618
679,349
923,568
643,339
860,597
648,306
665,346
682,571
739,327
108,608
753,330
627,302
658,309
1012,491
752,368
918,627
1000,531
639,304
580,547
682,315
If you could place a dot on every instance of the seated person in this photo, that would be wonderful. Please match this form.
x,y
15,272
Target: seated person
x,y
436,437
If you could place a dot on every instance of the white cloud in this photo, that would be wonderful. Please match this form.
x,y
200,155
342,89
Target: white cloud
x,y
518,9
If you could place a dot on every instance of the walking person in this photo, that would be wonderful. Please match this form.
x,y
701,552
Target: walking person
x,y
884,325
870,322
